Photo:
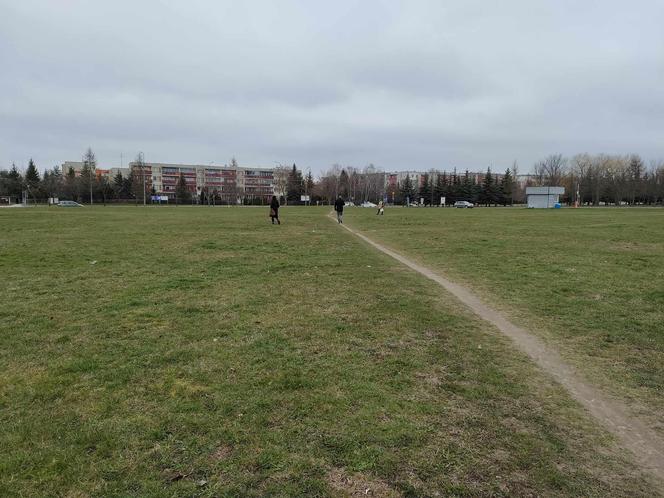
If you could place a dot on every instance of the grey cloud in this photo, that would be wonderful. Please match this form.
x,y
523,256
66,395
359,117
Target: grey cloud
x,y
400,84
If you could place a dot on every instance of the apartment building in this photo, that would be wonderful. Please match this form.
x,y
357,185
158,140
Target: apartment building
x,y
230,184
77,166
394,179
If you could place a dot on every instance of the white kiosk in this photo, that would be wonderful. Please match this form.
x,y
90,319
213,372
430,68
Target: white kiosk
x,y
544,197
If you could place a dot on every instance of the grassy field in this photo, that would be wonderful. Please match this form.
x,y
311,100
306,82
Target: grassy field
x,y
204,352
591,281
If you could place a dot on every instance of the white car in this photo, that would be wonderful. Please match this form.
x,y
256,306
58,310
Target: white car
x,y
69,204
367,204
463,204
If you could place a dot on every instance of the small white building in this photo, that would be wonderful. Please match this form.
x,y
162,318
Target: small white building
x,y
544,197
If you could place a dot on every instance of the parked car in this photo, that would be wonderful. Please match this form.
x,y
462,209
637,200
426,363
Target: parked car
x,y
464,204
69,204
367,204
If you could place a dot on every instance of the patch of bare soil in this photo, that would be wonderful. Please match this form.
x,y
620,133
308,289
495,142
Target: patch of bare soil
x,y
358,485
222,452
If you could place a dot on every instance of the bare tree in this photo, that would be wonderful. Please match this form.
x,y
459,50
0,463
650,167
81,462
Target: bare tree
x,y
636,171
539,173
88,170
518,194
333,181
138,170
616,176
581,169
281,173
550,171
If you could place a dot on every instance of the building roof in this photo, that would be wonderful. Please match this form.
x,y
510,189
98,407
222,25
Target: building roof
x,y
206,166
545,190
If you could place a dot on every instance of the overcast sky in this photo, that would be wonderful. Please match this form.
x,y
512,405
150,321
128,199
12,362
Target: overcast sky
x,y
403,85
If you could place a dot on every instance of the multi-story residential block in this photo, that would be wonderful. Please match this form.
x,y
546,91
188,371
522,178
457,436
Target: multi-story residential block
x,y
393,180
77,166
232,184
228,183
258,183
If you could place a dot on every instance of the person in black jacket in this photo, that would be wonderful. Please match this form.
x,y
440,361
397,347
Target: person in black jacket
x,y
274,210
339,208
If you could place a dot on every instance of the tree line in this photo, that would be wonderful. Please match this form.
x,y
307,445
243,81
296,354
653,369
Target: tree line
x,y
371,184
594,179
86,186
599,179
588,179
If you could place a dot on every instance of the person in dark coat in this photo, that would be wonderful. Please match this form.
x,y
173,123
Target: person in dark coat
x,y
274,210
339,208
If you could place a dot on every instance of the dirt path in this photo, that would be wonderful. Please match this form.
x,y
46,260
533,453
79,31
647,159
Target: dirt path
x,y
633,434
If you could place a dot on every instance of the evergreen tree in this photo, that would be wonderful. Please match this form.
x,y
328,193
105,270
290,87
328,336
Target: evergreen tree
x,y
441,187
52,182
475,190
295,185
182,194
488,193
71,184
506,188
105,189
15,182
118,185
309,186
455,188
310,183
344,184
46,183
466,188
32,175
407,190
425,188
128,185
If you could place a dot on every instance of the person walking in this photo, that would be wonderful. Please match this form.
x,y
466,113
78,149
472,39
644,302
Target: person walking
x,y
274,210
339,208
381,208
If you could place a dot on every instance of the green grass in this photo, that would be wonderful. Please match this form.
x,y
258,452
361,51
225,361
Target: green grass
x,y
206,352
589,280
